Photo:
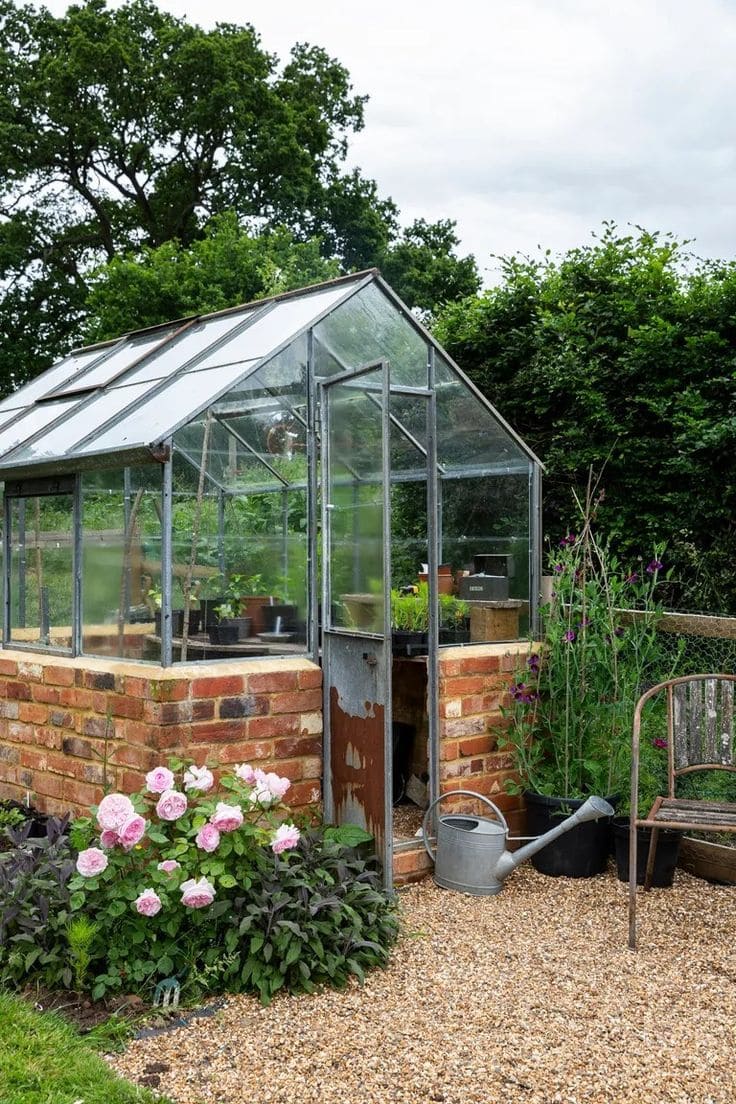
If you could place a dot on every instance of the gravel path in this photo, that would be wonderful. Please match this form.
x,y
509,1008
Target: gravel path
x,y
529,997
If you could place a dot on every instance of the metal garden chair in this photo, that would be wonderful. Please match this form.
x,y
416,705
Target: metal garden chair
x,y
700,736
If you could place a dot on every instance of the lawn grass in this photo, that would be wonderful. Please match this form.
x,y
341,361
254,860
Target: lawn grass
x,y
44,1061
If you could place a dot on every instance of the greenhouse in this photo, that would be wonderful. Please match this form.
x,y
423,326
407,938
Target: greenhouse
x,y
304,476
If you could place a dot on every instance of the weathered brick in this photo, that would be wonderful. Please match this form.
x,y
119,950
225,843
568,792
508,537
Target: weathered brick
x,y
271,682
73,745
8,668
129,781
120,706
98,680
29,672
290,747
48,784
301,701
245,706
133,755
458,687
47,737
311,723
58,676
218,732
251,751
81,794
452,708
303,793
203,709
465,726
170,690
310,680
412,862
76,698
477,745
31,757
9,709
449,749
18,691
93,772
91,726
50,695
285,724
33,712
217,686
20,733
9,754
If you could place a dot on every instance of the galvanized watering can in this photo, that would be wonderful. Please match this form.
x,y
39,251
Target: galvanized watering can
x,y
471,855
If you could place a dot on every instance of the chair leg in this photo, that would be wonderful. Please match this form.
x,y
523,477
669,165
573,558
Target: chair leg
x,y
650,858
632,888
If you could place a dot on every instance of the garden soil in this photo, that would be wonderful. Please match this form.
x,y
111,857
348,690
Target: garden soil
x,y
531,996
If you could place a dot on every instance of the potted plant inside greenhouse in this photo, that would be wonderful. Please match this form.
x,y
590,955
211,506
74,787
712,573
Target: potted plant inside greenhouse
x,y
177,614
454,620
572,704
410,620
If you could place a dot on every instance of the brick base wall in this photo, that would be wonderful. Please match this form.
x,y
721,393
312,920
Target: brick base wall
x,y
65,722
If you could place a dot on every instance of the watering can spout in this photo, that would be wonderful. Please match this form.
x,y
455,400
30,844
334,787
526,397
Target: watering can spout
x,y
593,809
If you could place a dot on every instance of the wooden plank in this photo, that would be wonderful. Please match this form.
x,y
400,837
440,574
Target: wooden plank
x,y
707,859
710,738
725,734
679,719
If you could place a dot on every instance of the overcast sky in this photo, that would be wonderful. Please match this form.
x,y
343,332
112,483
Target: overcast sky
x,y
531,121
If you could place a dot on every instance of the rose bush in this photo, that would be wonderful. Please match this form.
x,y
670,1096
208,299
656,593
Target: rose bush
x,y
170,878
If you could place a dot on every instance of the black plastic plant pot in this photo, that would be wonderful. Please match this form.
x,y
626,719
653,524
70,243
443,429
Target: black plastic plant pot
x,y
226,632
406,643
287,613
580,853
177,622
665,858
454,636
207,611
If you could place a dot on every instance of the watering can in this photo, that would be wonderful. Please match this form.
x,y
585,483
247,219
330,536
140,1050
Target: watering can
x,y
471,855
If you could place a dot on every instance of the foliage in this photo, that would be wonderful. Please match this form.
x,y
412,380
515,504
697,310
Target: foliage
x,y
126,130
35,906
44,1061
453,611
10,817
410,612
275,907
623,350
571,710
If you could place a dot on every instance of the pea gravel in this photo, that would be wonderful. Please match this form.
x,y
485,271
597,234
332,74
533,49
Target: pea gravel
x,y
530,996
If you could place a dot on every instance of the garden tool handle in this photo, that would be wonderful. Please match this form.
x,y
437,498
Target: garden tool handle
x,y
453,793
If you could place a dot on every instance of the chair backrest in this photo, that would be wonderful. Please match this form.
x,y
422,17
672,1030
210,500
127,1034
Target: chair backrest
x,y
701,723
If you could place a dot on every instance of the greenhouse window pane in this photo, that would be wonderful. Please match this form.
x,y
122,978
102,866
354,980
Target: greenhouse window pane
x,y
31,422
41,562
469,436
277,325
131,351
64,371
63,437
184,348
159,414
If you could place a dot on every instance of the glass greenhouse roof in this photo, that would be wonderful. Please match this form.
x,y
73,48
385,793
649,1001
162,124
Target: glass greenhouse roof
x,y
247,366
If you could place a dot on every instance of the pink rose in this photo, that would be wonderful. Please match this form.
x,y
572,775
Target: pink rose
x,y
132,832
113,811
277,785
109,838
169,866
261,794
198,778
171,805
91,861
197,893
148,903
284,838
207,837
245,773
159,779
226,818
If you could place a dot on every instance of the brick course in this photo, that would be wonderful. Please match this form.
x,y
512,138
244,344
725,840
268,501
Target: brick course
x,y
57,716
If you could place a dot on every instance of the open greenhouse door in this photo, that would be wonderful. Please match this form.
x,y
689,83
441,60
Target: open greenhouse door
x,y
356,600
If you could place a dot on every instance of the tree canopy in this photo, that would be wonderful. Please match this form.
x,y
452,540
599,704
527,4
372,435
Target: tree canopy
x,y
124,130
621,353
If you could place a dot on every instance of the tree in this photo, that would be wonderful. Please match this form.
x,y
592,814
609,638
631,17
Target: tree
x,y
621,354
122,130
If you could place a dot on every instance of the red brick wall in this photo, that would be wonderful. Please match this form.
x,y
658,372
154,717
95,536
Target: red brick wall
x,y
55,714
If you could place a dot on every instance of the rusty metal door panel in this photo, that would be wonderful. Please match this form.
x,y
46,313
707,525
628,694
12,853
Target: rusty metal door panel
x,y
358,713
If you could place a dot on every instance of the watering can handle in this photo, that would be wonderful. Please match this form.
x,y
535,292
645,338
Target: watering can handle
x,y
453,793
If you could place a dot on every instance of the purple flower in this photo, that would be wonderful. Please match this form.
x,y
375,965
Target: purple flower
x,y
558,569
584,623
533,663
658,742
633,577
569,636
569,539
619,631
655,565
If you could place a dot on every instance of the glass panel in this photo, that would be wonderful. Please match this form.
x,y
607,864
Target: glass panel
x,y
30,423
278,324
112,365
175,354
355,506
41,570
121,555
485,536
157,416
95,411
469,436
249,582
59,373
369,327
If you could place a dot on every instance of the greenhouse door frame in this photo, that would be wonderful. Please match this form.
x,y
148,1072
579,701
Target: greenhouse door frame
x,y
356,664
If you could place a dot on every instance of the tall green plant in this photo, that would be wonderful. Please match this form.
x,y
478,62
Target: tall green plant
x,y
572,707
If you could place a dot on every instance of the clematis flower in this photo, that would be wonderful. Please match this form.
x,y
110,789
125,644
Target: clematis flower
x,y
284,838
169,866
159,779
113,811
91,861
197,893
207,838
198,778
226,818
132,832
148,903
171,805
